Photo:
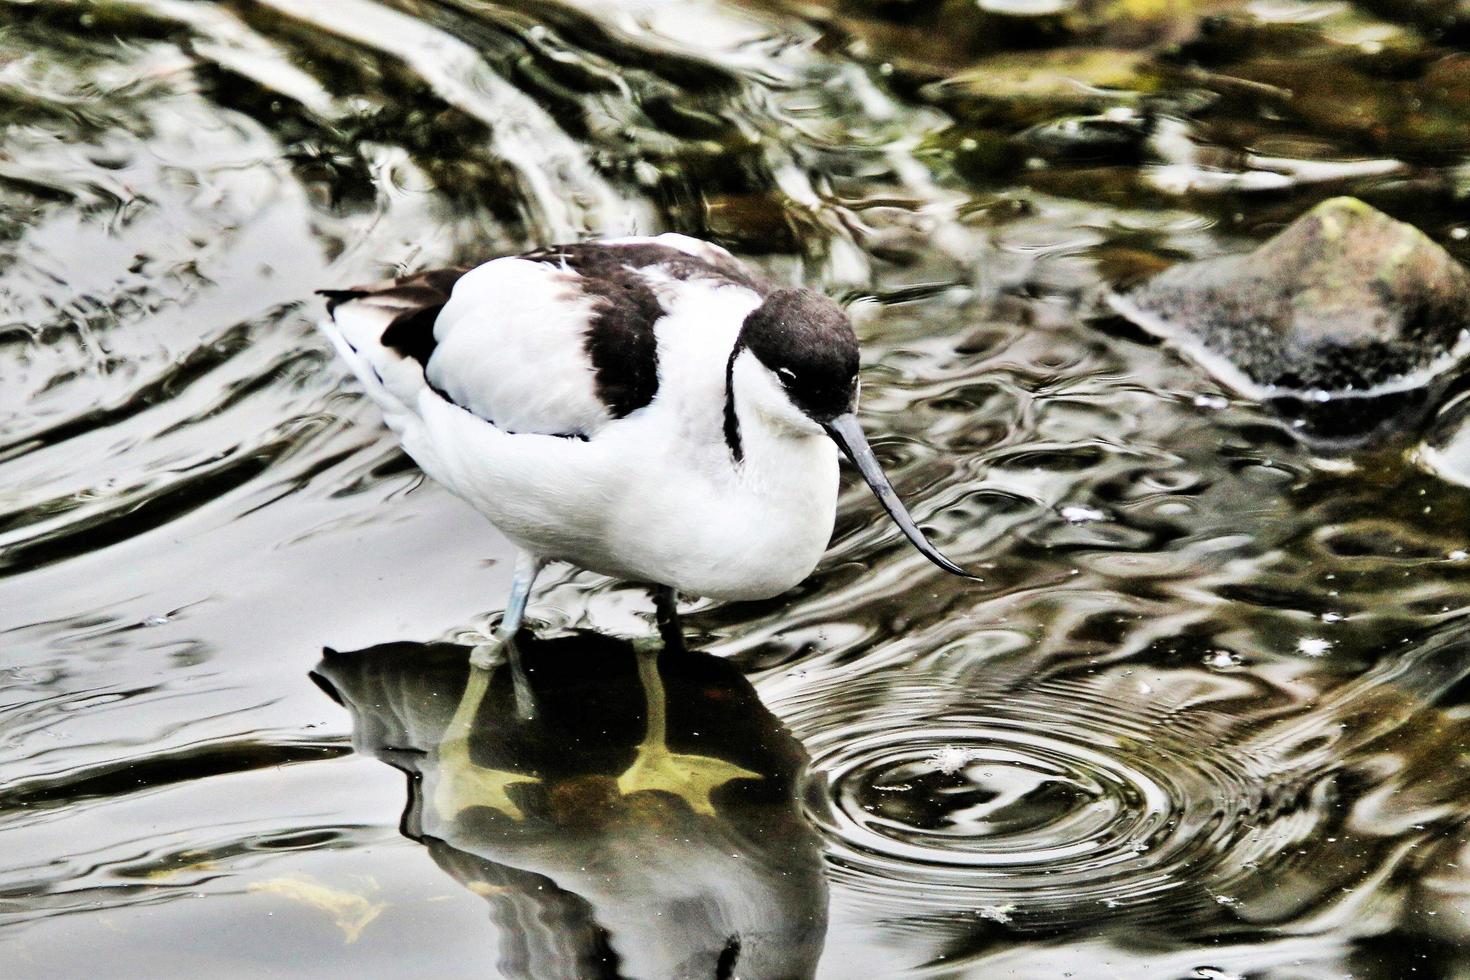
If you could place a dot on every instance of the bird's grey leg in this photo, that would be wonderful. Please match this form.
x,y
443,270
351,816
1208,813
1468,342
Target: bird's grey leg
x,y
666,614
502,640
527,567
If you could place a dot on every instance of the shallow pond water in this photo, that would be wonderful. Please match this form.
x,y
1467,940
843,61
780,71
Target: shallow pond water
x,y
1207,715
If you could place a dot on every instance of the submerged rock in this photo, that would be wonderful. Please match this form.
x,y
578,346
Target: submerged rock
x,y
1344,307
1031,87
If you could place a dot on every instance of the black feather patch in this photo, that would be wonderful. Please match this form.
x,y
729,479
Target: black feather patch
x,y
415,301
422,298
620,339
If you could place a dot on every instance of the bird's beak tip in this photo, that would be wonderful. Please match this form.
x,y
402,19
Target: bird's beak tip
x,y
848,434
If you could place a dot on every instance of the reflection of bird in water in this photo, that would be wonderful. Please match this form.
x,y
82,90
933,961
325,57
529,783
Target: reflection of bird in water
x,y
643,824
648,408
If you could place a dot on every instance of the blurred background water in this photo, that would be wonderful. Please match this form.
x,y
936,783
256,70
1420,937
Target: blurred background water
x,y
1207,716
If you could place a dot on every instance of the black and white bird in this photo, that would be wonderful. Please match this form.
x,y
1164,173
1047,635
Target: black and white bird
x,y
647,408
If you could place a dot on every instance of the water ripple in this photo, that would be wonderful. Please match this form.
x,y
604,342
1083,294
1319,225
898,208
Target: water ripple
x,y
1048,804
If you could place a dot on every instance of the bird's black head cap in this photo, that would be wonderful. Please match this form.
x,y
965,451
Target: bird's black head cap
x,y
807,341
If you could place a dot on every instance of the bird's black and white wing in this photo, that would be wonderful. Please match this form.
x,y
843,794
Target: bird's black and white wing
x,y
559,341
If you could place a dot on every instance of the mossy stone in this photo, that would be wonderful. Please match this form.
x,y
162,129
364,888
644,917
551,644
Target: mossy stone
x,y
1345,300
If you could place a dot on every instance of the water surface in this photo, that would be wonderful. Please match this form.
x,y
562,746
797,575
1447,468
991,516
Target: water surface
x,y
1206,716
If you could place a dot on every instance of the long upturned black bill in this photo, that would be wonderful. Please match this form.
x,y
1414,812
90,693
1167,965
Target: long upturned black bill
x,y
846,432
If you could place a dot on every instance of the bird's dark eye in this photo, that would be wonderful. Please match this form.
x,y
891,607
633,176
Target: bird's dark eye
x,y
786,374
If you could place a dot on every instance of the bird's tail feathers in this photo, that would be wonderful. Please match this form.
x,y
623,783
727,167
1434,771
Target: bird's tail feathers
x,y
385,332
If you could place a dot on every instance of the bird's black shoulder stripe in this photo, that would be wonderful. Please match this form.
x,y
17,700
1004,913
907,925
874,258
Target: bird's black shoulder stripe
x,y
620,339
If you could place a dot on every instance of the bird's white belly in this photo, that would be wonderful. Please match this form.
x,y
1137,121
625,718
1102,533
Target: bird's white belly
x,y
635,504
748,542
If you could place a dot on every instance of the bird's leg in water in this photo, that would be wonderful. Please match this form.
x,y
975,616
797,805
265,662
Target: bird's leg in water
x,y
666,614
502,640
692,778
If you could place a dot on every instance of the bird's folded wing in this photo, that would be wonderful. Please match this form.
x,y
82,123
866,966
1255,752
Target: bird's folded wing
x,y
559,341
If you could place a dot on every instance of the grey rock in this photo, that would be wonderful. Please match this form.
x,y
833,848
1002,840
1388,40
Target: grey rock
x,y
1344,303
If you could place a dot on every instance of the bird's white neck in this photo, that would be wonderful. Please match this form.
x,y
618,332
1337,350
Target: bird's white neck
x,y
772,444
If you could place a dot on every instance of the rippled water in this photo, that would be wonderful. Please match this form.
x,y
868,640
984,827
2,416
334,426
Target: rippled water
x,y
1206,717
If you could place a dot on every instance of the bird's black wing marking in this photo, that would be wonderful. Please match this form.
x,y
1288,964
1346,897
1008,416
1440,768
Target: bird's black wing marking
x,y
412,332
416,301
336,297
620,340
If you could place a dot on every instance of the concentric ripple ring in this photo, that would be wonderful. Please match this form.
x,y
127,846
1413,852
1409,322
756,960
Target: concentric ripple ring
x,y
1052,805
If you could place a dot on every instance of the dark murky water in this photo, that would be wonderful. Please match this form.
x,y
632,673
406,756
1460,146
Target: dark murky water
x,y
1207,717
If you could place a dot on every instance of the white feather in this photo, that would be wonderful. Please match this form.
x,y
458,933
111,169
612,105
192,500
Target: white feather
x,y
511,348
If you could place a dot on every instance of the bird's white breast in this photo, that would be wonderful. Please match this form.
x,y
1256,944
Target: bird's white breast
x,y
717,527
